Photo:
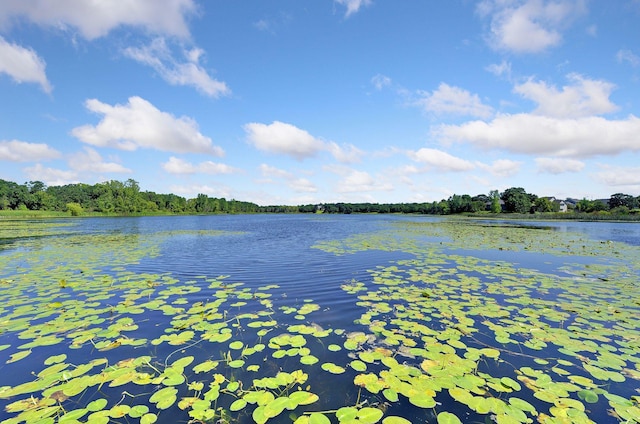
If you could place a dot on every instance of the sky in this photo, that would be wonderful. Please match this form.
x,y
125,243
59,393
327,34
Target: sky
x,y
290,102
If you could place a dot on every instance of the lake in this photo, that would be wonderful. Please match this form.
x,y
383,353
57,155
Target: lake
x,y
317,319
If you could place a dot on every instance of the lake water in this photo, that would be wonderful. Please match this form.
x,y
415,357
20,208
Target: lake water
x,y
388,317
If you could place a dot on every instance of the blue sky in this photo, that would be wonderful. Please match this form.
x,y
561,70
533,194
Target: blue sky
x,y
296,102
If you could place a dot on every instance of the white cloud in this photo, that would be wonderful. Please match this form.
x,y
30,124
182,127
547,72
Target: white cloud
x,y
180,166
543,135
584,97
440,160
302,185
297,184
21,151
620,176
353,6
559,165
91,161
361,181
629,57
529,26
453,100
500,69
191,191
139,124
282,138
272,171
501,167
94,19
51,176
347,153
23,65
190,73
380,81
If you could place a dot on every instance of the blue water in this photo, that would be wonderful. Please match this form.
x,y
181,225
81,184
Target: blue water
x,y
259,250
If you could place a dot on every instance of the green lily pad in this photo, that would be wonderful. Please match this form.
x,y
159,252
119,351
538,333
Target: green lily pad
x,y
164,398
236,345
237,405
391,419
448,418
422,400
318,418
369,415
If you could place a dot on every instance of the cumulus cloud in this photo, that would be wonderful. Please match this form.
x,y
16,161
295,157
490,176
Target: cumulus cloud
x,y
302,185
501,167
51,176
23,65
620,176
629,57
189,72
346,153
453,100
297,184
91,161
558,165
21,151
528,26
282,138
548,136
361,181
94,19
271,171
139,124
584,97
180,166
440,160
353,6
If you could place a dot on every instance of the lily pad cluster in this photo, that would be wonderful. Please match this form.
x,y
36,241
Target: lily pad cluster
x,y
513,343
444,336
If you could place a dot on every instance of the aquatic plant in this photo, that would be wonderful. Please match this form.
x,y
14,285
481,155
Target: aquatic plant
x,y
454,333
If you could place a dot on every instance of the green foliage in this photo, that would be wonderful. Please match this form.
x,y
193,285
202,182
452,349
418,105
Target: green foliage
x,y
496,207
74,208
114,198
623,200
126,198
585,205
542,204
516,200
453,334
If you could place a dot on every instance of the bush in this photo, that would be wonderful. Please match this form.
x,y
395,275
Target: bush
x,y
75,209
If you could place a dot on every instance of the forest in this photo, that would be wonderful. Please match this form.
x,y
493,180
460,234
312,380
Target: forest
x,y
126,198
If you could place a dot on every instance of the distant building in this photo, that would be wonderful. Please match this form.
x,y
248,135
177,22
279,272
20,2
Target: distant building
x,y
561,205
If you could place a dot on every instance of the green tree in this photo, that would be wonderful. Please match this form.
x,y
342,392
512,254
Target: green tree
x,y
620,199
542,204
516,200
74,208
496,207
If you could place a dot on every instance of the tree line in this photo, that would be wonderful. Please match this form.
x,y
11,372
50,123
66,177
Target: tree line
x,y
110,198
126,198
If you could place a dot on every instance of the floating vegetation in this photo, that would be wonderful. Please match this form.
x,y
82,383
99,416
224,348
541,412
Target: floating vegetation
x,y
441,336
